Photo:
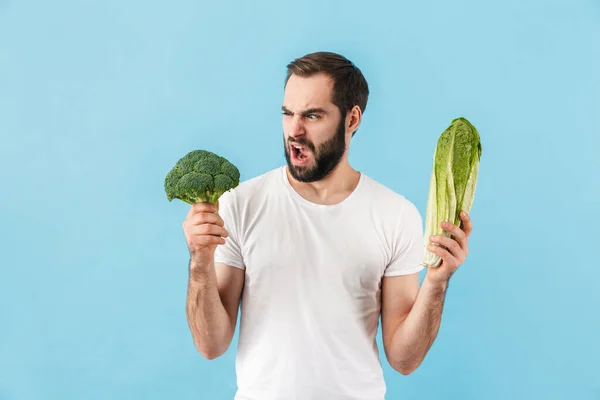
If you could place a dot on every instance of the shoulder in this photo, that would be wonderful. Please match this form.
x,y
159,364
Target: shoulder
x,y
252,188
391,203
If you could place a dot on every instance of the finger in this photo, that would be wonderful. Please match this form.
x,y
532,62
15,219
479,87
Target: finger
x,y
455,231
444,254
451,245
206,240
208,229
205,218
201,207
467,223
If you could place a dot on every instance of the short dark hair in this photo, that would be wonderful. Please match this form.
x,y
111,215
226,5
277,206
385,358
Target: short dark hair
x,y
350,88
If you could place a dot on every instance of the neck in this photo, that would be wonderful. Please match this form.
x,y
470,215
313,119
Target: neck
x,y
332,189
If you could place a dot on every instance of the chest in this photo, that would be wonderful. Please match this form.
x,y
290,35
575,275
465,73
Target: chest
x,y
316,254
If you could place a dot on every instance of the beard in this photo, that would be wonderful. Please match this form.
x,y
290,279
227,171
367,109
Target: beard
x,y
326,158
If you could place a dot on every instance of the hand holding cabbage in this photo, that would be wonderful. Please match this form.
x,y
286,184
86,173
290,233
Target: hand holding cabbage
x,y
452,190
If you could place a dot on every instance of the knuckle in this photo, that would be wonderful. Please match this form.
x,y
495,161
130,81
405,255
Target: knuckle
x,y
204,229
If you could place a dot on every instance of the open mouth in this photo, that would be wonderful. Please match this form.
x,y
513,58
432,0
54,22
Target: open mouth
x,y
300,154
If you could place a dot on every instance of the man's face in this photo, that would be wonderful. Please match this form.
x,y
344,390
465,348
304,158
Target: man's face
x,y
314,132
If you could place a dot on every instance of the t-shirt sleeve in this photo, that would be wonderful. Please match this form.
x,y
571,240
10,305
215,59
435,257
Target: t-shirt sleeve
x,y
230,253
408,243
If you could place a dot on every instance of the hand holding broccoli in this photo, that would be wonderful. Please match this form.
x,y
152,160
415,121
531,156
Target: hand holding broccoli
x,y
199,178
204,230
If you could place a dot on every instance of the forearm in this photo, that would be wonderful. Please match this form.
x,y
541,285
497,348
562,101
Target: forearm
x,y
208,320
415,335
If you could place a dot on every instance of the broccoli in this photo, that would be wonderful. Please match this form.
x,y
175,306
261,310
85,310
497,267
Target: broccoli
x,y
201,177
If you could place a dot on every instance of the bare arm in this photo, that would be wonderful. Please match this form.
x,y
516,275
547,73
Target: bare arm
x,y
411,319
411,316
214,289
213,299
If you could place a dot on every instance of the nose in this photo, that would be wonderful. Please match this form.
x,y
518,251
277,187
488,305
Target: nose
x,y
296,127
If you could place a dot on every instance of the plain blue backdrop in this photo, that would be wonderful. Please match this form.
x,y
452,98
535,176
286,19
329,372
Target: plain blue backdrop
x,y
98,100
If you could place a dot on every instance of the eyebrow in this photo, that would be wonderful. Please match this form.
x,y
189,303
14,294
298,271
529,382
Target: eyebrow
x,y
314,110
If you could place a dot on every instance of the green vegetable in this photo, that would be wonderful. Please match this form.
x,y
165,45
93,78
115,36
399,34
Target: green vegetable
x,y
201,177
453,181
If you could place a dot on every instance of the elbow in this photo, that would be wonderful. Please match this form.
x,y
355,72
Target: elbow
x,y
405,368
211,348
210,354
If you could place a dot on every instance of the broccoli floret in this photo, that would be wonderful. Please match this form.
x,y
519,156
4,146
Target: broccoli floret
x,y
201,177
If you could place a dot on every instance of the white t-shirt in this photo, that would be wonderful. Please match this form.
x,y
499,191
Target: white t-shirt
x,y
311,300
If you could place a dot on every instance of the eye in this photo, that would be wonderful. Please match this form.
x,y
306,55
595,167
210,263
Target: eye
x,y
313,116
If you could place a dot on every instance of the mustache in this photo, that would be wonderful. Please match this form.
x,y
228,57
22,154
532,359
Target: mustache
x,y
302,142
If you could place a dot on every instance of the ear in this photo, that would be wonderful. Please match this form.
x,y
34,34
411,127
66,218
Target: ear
x,y
353,119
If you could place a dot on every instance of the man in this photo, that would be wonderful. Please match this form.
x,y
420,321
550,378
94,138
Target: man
x,y
316,251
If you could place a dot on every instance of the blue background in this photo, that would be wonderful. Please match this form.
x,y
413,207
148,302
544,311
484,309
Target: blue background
x,y
98,99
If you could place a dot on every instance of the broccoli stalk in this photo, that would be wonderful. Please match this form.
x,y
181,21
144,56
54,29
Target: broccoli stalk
x,y
201,177
208,198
